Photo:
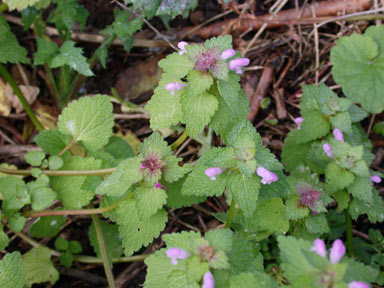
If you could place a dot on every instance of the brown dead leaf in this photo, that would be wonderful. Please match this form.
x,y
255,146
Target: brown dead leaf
x,y
5,104
30,93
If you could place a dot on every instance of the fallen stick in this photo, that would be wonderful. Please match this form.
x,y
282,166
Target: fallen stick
x,y
286,17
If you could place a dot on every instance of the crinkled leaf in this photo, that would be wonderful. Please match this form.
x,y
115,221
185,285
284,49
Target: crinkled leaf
x,y
11,271
337,178
48,226
149,201
198,82
34,158
119,148
55,162
19,4
134,232
220,239
67,13
46,50
14,192
172,171
357,271
256,279
154,144
293,153
73,57
52,141
374,210
361,189
222,42
173,8
176,199
315,125
89,120
176,65
38,267
317,224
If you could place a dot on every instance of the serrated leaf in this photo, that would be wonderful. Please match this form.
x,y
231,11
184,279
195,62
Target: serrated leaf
x,y
134,232
374,210
172,171
176,65
73,57
28,16
176,199
111,239
358,66
293,153
48,226
256,279
66,13
317,224
149,201
245,191
342,121
55,162
182,240
11,271
127,173
198,111
155,144
356,113
38,266
4,240
34,158
294,209
52,141
69,188
361,189
89,120
222,42
119,148
147,7
357,271
61,244
342,199
14,192
198,82
337,178
220,239
11,51
173,8
315,125
19,4
66,259
46,50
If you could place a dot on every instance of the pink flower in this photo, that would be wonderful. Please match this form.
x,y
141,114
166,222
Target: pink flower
x,y
212,172
298,121
181,45
337,251
175,254
328,150
319,248
208,280
228,54
172,86
267,176
338,135
375,179
236,64
356,284
309,197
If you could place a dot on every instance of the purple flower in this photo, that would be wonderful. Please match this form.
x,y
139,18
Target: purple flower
x,y
328,150
208,280
158,185
236,64
319,248
338,135
357,284
228,54
172,86
298,121
181,45
267,176
337,251
308,196
212,172
175,254
375,179
207,60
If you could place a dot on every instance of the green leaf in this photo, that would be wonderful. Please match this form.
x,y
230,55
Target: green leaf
x,y
245,191
34,158
361,189
221,42
75,247
119,148
73,57
4,240
52,141
172,171
220,239
147,7
89,120
69,188
337,178
66,13
186,240
176,199
38,267
46,50
149,201
16,222
293,153
356,113
14,192
66,259
48,226
19,4
11,271
342,199
28,16
127,173
198,82
10,49
134,232
317,224
294,209
176,65
315,125
173,8
111,239
55,162
155,144
357,271
374,210
249,280
342,121
294,262
358,67
61,244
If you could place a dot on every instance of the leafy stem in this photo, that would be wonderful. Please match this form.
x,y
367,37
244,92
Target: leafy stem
x,y
103,250
348,224
25,172
90,211
179,140
231,212
8,77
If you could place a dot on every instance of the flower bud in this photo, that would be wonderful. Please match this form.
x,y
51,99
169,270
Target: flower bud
x,y
208,280
236,64
181,45
172,86
158,185
298,121
338,135
175,254
375,179
212,172
319,248
267,176
357,284
228,54
328,150
337,251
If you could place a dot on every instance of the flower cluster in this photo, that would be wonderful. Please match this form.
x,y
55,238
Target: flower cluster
x,y
309,197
